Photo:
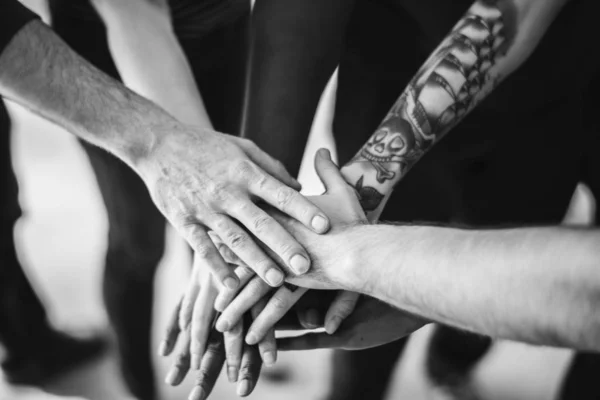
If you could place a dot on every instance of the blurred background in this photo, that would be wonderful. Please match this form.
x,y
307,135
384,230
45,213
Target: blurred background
x,y
62,238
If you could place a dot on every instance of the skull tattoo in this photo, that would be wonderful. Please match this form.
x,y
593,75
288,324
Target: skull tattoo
x,y
390,148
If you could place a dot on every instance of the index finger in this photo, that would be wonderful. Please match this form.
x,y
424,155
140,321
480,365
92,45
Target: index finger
x,y
288,201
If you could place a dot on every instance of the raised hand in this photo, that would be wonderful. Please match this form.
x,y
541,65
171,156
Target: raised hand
x,y
213,189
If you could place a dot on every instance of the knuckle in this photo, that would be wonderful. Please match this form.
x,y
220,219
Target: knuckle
x,y
279,303
244,169
216,190
261,223
220,224
204,250
285,196
203,376
236,240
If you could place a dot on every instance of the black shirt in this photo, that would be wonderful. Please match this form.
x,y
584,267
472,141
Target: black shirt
x,y
13,16
563,63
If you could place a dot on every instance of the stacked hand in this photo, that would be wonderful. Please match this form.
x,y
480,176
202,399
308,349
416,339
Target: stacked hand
x,y
249,316
203,180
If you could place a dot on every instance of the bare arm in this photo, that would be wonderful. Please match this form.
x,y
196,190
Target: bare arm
x,y
493,39
149,57
538,285
199,179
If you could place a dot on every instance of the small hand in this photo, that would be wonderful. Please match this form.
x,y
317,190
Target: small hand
x,y
203,180
372,324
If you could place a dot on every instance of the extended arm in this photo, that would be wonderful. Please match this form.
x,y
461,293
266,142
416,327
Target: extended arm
x,y
487,44
539,285
149,57
198,178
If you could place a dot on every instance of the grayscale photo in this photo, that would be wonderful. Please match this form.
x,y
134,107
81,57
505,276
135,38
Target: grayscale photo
x,y
300,199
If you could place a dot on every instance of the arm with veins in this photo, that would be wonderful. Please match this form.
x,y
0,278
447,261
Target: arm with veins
x,y
140,32
492,39
488,43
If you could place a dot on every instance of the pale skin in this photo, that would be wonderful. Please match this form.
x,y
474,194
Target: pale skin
x,y
536,285
200,179
502,34
140,32
488,44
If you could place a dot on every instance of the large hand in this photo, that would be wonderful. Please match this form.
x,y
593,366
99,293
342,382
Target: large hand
x,y
204,180
342,206
372,324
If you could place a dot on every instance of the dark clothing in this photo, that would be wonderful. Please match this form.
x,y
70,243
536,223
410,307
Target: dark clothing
x,y
216,52
13,16
514,161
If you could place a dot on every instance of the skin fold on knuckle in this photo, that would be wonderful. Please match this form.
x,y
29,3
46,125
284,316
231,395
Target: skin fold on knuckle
x,y
285,196
279,304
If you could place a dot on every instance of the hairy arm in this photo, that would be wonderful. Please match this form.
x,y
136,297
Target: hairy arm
x,y
150,58
538,285
486,45
295,49
39,71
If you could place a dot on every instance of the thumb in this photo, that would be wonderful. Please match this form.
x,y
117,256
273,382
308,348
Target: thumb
x,y
328,172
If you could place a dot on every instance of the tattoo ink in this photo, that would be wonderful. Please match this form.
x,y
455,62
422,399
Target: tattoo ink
x,y
455,78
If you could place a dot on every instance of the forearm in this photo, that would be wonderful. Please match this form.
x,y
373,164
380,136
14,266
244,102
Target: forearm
x,y
539,285
149,57
39,71
486,45
295,49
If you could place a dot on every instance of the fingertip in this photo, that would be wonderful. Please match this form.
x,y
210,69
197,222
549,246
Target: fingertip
x,y
332,325
163,349
300,264
231,282
324,153
244,388
269,358
274,277
222,325
320,223
197,394
251,338
171,378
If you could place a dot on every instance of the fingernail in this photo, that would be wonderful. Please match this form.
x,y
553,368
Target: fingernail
x,y
222,325
323,152
195,364
319,224
251,338
312,318
269,358
230,283
243,388
172,376
332,325
162,349
299,264
229,254
232,374
197,394
274,277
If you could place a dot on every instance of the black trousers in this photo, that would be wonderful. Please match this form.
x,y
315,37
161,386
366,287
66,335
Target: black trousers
x,y
136,237
495,168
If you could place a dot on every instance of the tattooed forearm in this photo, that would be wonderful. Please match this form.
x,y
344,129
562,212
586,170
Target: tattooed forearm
x,y
456,77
